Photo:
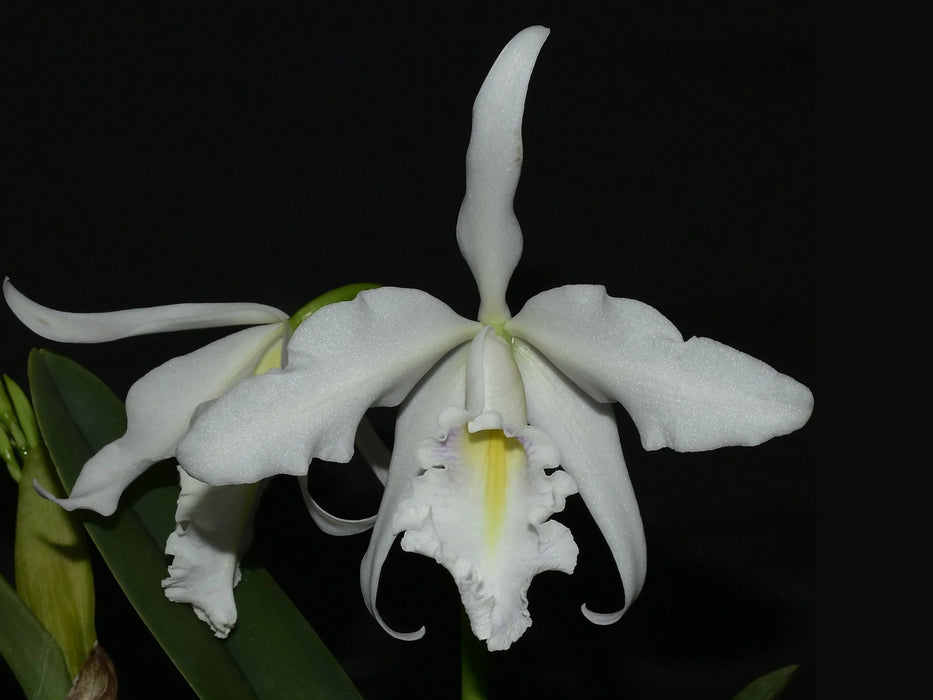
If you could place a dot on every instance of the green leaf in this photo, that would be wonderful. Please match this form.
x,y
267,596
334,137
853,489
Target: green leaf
x,y
29,650
769,686
272,653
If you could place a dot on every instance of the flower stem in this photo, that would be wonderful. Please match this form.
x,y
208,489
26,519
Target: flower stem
x,y
474,681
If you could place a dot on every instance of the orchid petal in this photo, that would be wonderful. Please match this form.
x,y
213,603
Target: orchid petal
x,y
159,408
489,235
443,386
67,327
373,450
377,455
331,524
214,529
345,358
588,440
690,396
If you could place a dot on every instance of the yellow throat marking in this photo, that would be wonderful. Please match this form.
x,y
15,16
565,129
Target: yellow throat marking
x,y
496,458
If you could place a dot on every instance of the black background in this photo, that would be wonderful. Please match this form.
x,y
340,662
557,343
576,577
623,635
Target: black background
x,y
270,154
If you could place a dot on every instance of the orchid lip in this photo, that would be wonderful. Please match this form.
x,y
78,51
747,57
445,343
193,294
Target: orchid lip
x,y
481,508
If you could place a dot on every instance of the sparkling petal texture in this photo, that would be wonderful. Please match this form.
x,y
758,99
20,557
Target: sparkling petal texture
x,y
67,327
214,528
588,440
689,396
345,358
159,408
488,232
443,386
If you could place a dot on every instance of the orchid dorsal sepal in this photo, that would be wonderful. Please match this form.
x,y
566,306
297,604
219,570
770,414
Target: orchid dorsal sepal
x,y
347,292
488,231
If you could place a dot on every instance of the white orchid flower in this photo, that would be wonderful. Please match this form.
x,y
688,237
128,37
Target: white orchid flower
x,y
213,524
491,409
